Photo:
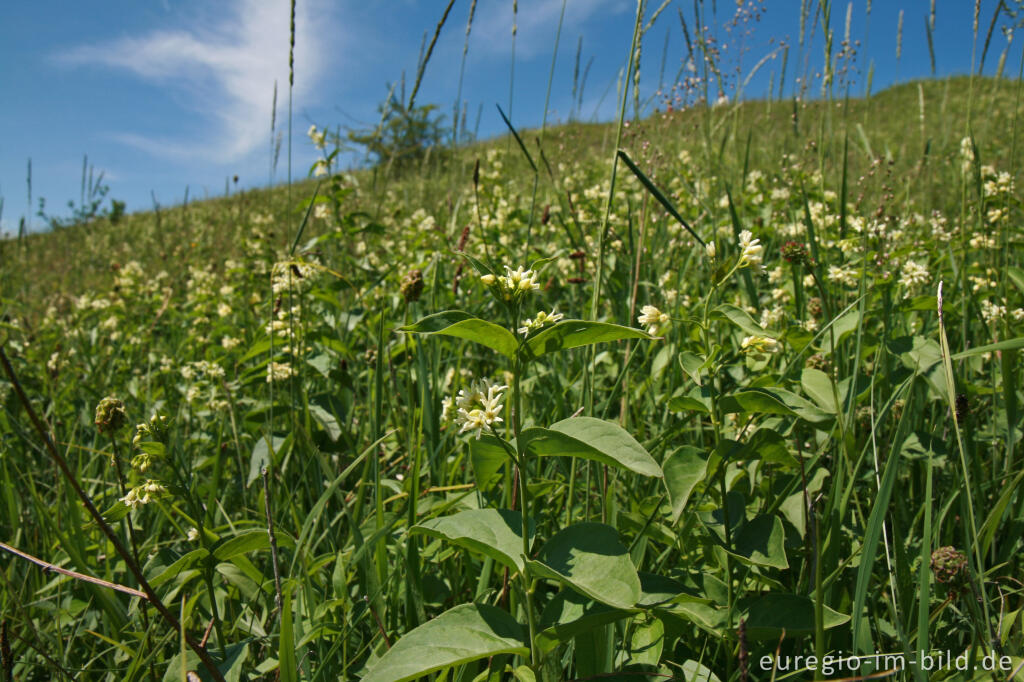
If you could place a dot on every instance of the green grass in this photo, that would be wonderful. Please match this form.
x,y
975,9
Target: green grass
x,y
771,473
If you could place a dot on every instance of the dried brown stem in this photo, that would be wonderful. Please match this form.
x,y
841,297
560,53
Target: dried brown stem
x,y
47,566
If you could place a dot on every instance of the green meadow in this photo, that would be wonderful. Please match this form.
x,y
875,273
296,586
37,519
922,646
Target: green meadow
x,y
703,393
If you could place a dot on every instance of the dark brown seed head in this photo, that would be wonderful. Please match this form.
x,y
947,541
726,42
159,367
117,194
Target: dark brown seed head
x,y
412,286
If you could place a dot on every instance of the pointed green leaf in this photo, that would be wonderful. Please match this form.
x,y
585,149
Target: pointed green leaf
x,y
594,439
647,642
184,562
818,386
761,541
1016,276
692,364
769,614
770,446
698,399
774,401
842,327
739,317
487,455
497,533
1009,344
589,558
465,633
251,540
569,613
575,333
684,469
462,325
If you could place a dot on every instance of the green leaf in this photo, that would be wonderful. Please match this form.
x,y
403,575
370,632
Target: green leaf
x,y
183,562
739,317
151,447
768,615
842,327
770,446
684,469
569,613
1016,275
589,558
487,456
252,540
462,325
647,642
657,194
818,386
1009,344
262,454
698,399
575,333
231,667
465,633
496,533
761,541
794,506
774,401
692,364
594,439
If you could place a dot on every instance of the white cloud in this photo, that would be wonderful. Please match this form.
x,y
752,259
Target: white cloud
x,y
225,70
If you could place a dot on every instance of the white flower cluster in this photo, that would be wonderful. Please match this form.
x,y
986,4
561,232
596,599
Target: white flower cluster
x,y
541,320
143,494
293,275
992,311
912,276
760,344
513,283
653,319
841,275
279,371
476,408
319,137
751,251
966,155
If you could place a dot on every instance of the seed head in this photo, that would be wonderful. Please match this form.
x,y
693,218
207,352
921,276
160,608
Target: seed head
x,y
110,415
795,253
412,286
948,565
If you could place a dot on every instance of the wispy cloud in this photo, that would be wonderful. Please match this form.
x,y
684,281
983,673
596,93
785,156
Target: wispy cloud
x,y
225,69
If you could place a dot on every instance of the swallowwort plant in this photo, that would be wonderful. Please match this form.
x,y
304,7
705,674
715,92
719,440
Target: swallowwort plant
x,y
587,561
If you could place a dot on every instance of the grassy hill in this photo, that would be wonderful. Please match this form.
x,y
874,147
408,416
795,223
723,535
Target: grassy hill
x,y
760,433
917,127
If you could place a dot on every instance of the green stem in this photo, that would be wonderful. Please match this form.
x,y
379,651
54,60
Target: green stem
x,y
524,506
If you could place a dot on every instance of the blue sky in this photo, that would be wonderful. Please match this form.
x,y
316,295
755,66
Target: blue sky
x,y
167,94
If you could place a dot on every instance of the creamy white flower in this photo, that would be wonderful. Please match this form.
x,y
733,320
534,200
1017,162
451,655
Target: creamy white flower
x,y
652,318
845,276
912,276
541,320
143,494
279,371
760,344
751,251
991,312
478,407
